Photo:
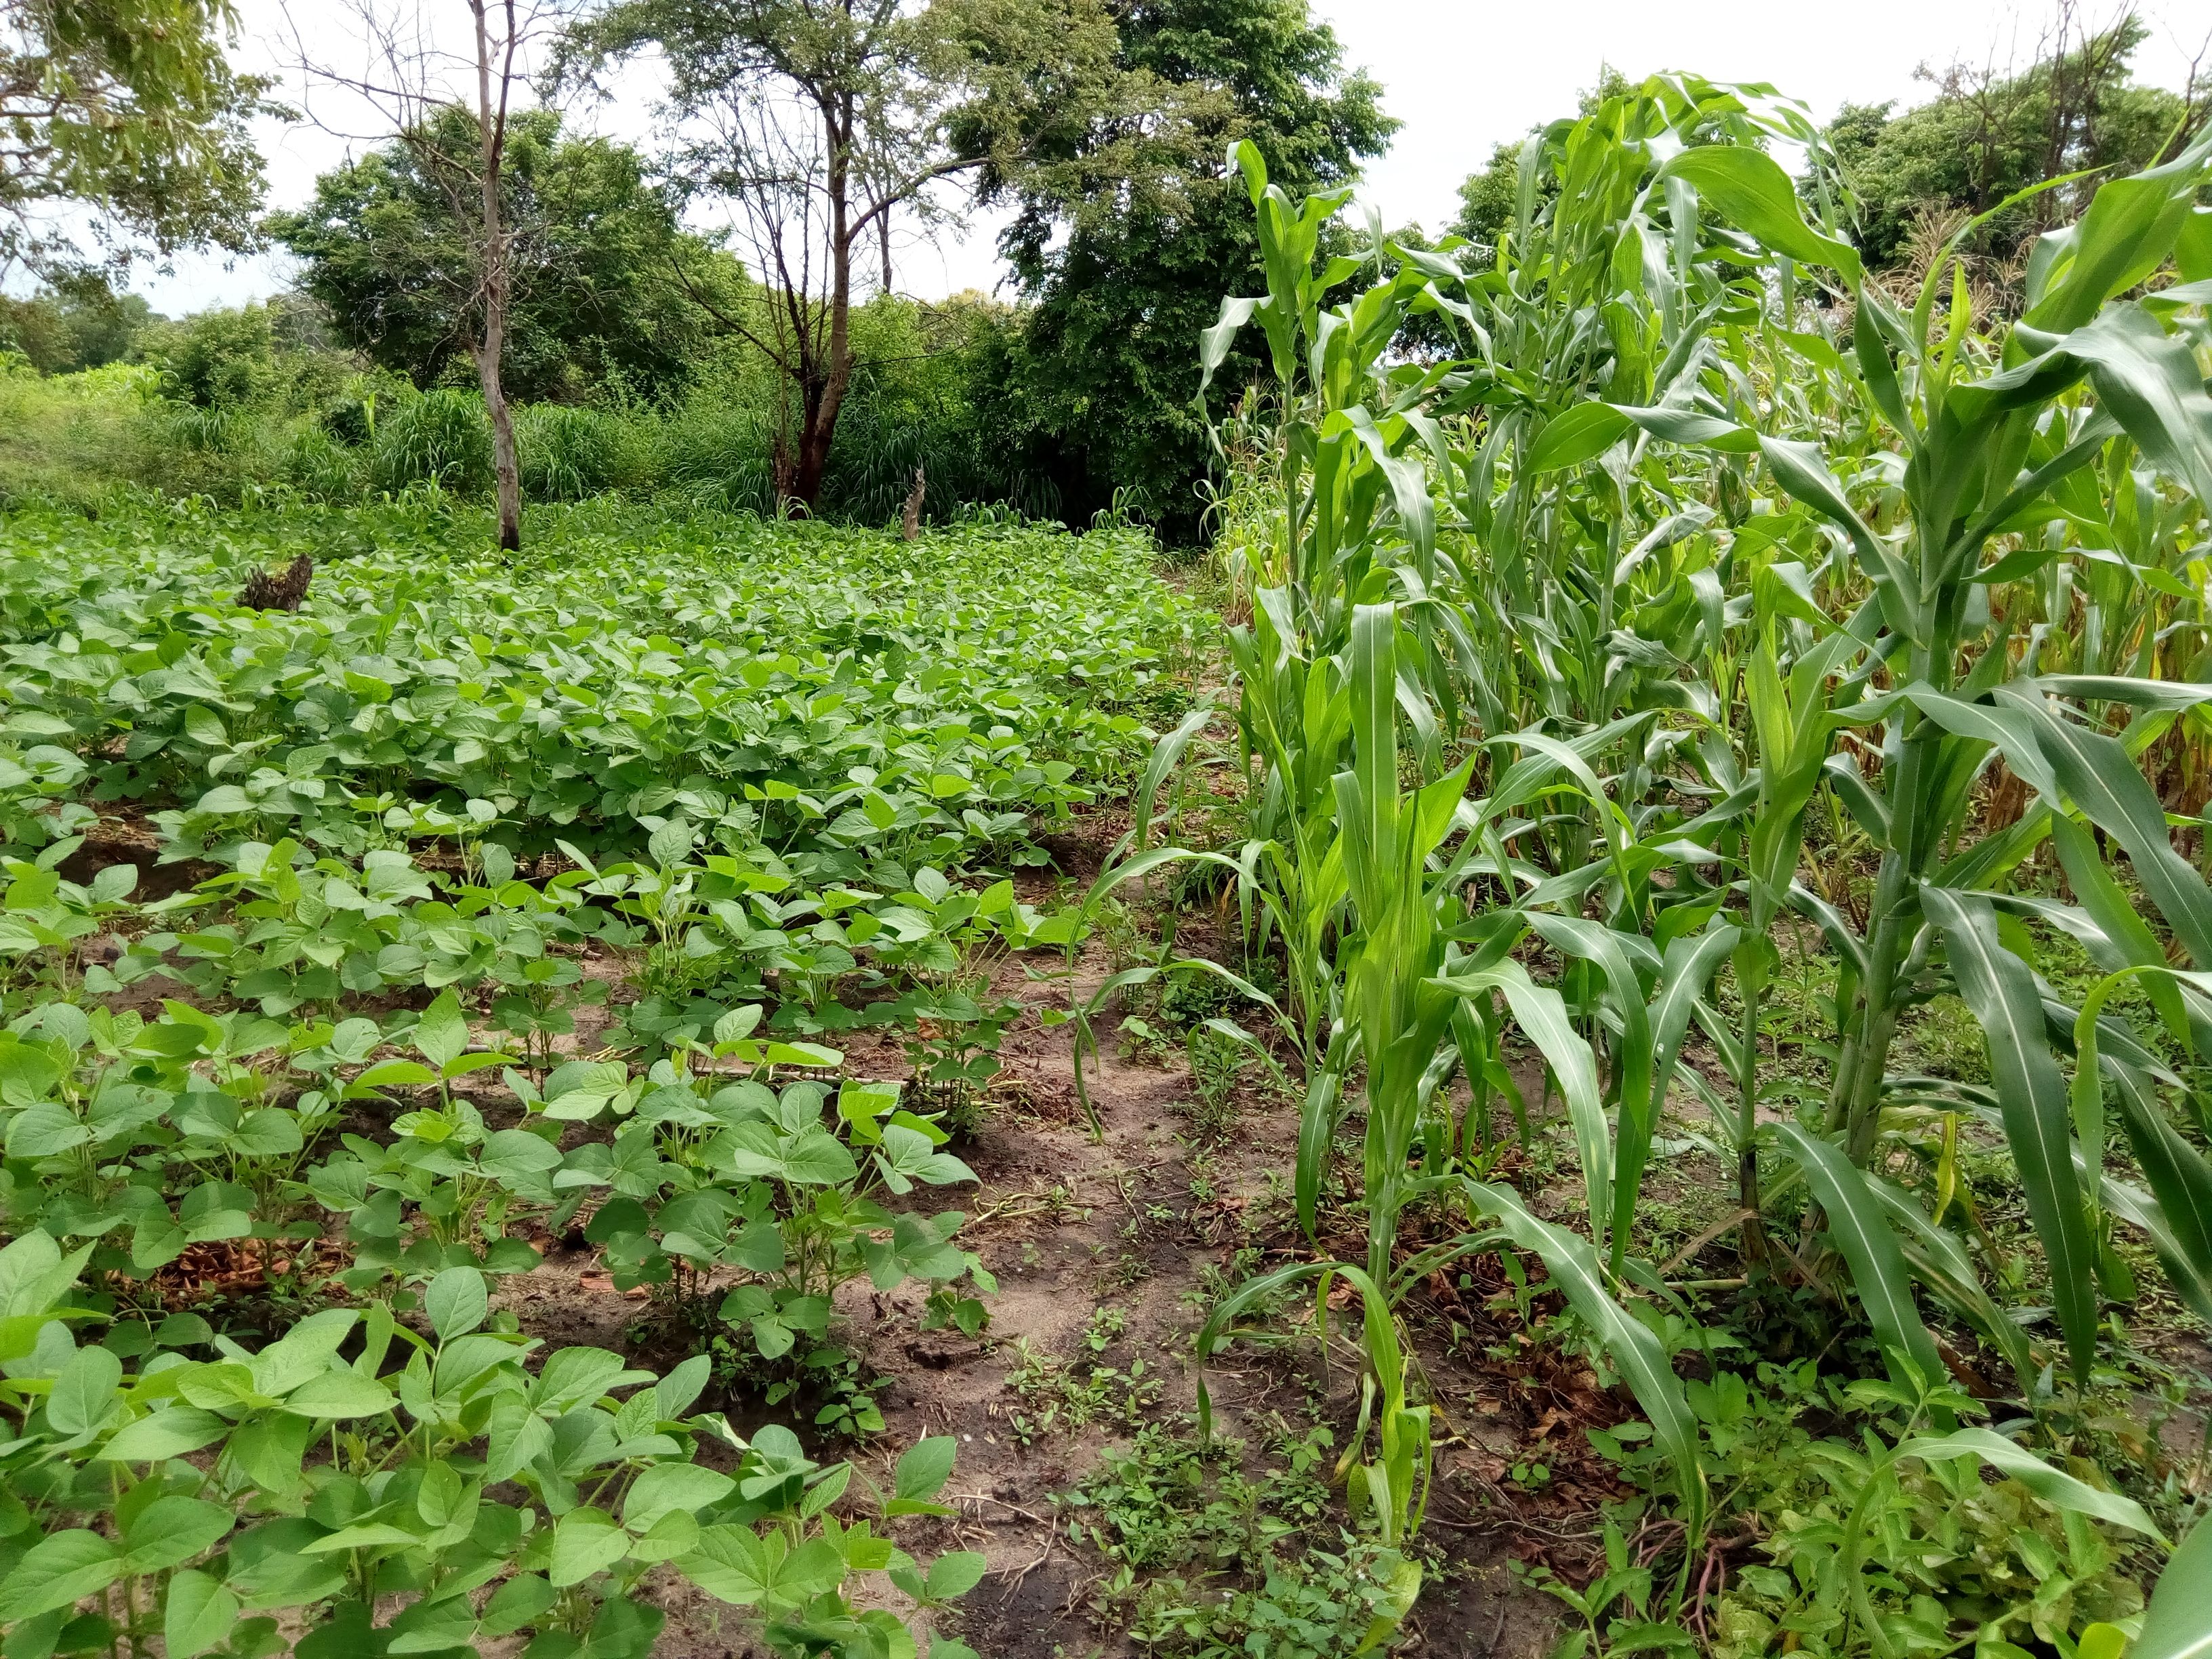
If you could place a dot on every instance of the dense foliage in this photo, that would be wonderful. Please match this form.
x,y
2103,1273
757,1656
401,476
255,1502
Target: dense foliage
x,y
1097,384
1591,669
1692,813
1984,138
129,110
754,754
598,265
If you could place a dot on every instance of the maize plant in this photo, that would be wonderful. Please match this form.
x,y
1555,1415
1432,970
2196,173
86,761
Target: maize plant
x,y
1706,539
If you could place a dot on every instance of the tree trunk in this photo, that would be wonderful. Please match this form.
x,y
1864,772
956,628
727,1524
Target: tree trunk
x,y
491,339
507,474
824,394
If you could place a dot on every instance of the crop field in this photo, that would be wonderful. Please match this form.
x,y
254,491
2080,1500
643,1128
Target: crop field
x,y
1585,1034
308,1042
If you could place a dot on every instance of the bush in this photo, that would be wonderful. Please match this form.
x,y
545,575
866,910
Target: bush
x,y
221,359
440,438
566,454
315,464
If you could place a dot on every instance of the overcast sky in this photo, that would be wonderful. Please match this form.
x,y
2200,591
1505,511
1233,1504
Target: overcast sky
x,y
1461,74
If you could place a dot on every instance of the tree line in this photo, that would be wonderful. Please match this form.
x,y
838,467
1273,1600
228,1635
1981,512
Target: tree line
x,y
491,241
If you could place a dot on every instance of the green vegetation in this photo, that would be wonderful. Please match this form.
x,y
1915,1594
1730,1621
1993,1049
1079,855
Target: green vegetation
x,y
1635,935
129,111
1551,649
599,270
753,751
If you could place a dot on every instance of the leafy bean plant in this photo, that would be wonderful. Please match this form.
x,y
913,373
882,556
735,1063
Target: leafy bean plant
x,y
381,1488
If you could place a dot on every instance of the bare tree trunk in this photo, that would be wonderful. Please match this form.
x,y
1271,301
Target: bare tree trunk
x,y
507,474
914,506
822,400
491,339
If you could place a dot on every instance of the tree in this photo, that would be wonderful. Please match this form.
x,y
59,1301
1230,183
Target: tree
x,y
814,121
78,322
596,261
128,107
1127,263
1988,133
454,112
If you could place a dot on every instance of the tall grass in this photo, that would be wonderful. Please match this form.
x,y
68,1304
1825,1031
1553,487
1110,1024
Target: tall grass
x,y
74,438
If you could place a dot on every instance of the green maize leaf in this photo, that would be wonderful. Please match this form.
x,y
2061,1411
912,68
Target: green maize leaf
x,y
2033,1100
2098,775
1628,1342
2054,1487
1748,188
1941,1263
2131,227
2147,380
1862,1232
2178,1623
1542,1014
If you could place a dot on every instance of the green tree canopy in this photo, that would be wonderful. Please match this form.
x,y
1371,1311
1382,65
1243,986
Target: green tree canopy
x,y
78,322
1103,375
1983,137
128,107
602,270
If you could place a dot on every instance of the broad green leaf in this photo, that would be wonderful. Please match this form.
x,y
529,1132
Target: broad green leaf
x,y
165,1434
924,1468
342,1393
443,1030
667,1486
172,1530
198,1613
955,1573
57,1572
457,1302
585,1542
83,1391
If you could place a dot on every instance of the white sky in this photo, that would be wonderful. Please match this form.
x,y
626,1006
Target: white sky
x,y
1461,75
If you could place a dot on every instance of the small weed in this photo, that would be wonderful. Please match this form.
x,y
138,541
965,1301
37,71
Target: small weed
x,y
1060,1394
1207,1562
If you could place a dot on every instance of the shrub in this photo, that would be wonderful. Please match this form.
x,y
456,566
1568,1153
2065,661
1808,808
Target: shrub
x,y
316,465
567,453
440,438
221,359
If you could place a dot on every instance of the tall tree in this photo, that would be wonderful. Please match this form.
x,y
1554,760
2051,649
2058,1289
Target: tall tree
x,y
415,82
1124,280
129,107
814,121
596,261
